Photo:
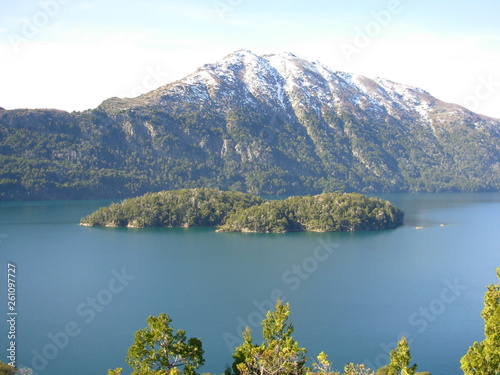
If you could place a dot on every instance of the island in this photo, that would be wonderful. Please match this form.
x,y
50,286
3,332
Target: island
x,y
231,211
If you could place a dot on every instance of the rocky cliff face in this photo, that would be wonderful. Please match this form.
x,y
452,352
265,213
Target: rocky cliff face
x,y
273,124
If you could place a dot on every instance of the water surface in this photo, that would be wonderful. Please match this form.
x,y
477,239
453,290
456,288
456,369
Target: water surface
x,y
83,292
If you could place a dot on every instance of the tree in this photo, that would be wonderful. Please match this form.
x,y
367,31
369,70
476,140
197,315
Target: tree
x,y
5,369
279,353
157,350
323,366
352,369
400,359
484,358
384,371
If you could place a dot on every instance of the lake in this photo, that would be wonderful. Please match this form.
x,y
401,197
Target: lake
x,y
82,292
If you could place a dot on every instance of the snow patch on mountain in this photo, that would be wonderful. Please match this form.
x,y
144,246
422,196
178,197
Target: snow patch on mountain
x,y
295,86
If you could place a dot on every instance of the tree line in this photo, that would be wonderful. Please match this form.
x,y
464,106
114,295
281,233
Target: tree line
x,y
158,350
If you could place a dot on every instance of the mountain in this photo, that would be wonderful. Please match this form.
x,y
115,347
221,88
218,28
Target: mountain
x,y
271,124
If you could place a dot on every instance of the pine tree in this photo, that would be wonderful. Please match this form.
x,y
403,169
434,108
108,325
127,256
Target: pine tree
x,y
157,350
278,354
400,359
323,366
484,358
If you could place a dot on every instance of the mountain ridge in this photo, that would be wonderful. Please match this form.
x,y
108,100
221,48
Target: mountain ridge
x,y
270,124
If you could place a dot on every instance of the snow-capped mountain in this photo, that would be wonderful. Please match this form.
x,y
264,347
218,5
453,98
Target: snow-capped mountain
x,y
271,124
290,83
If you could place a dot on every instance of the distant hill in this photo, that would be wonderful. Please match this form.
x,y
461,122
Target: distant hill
x,y
273,124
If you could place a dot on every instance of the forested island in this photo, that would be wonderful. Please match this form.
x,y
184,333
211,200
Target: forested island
x,y
232,211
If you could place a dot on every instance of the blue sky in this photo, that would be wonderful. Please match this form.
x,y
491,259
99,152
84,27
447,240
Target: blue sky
x,y
72,55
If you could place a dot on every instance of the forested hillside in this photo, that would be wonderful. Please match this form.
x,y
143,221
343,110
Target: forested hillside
x,y
273,124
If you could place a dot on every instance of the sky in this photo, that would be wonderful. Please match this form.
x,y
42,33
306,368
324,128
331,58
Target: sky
x,y
72,55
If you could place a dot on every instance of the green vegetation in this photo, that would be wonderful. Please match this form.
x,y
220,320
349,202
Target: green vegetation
x,y
400,360
121,149
324,367
241,212
158,351
484,357
5,369
279,353
180,208
175,350
331,212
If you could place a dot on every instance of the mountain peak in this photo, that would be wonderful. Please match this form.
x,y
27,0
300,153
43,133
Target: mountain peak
x,y
290,82
269,124
283,55
242,54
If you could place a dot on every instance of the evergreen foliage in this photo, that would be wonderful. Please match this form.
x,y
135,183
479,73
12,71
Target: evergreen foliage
x,y
323,367
157,350
5,369
120,149
331,212
484,358
279,353
400,360
186,207
241,212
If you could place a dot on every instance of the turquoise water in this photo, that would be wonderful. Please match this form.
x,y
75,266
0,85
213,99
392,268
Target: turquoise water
x,y
83,292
